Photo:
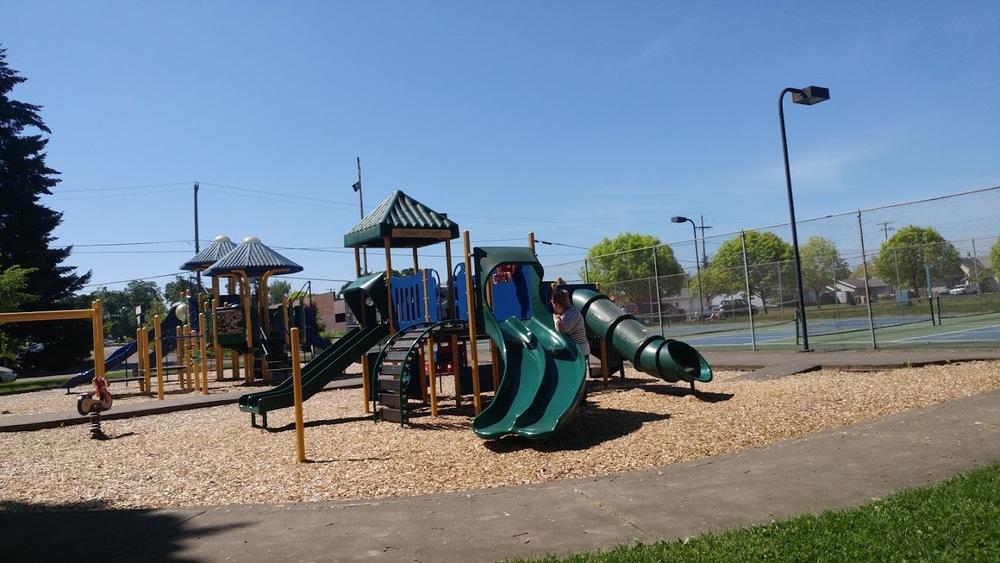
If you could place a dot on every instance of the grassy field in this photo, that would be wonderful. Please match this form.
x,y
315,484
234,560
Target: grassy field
x,y
953,521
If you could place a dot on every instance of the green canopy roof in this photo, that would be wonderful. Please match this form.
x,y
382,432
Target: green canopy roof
x,y
407,222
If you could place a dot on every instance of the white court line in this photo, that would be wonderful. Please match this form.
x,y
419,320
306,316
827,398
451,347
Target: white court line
x,y
932,336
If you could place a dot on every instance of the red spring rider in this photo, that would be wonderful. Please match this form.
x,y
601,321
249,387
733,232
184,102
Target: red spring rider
x,y
98,401
94,404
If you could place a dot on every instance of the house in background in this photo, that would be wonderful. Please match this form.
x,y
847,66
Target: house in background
x,y
852,291
979,272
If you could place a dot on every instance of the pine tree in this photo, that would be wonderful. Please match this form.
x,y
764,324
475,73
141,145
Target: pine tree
x,y
26,225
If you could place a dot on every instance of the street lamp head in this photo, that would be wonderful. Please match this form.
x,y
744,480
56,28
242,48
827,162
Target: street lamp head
x,y
679,219
811,95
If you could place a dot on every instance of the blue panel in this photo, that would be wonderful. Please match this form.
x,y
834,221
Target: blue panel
x,y
512,298
408,303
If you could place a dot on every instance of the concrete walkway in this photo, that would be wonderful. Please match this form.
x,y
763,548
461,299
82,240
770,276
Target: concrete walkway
x,y
833,469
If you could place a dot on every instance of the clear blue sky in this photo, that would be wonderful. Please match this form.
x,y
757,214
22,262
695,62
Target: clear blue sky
x,y
576,120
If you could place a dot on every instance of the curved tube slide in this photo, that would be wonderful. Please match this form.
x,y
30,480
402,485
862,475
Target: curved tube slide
x,y
668,359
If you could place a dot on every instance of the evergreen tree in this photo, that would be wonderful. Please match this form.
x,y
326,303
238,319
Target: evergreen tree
x,y
25,225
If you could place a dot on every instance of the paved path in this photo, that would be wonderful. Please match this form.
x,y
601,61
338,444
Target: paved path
x,y
833,469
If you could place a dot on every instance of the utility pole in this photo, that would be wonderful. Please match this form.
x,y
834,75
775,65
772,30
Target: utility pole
x,y
197,247
886,229
704,255
361,200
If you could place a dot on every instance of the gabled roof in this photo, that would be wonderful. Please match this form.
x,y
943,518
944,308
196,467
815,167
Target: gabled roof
x,y
210,255
407,222
858,284
254,258
970,264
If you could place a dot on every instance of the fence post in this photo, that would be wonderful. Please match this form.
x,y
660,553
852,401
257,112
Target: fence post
x,y
868,294
746,278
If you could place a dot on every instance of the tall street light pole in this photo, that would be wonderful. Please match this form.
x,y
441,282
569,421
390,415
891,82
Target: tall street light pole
x,y
586,269
807,96
697,262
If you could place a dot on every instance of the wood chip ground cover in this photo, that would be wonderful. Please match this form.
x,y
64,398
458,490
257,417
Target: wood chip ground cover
x,y
212,456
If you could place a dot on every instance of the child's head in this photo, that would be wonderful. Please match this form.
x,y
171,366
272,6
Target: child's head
x,y
560,300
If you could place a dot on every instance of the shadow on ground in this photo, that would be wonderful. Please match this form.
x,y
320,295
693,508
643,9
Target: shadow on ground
x,y
76,532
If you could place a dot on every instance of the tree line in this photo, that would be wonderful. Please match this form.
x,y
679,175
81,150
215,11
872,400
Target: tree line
x,y
761,265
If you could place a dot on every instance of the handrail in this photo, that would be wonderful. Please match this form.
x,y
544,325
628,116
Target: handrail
x,y
428,329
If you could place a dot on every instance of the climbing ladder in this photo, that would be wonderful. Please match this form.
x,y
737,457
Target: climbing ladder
x,y
398,363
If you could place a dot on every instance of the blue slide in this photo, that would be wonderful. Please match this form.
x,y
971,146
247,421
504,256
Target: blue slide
x,y
168,327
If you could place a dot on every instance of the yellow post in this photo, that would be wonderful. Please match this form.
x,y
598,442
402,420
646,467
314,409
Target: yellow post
x,y
388,286
432,376
97,323
456,370
194,374
181,358
286,336
140,364
471,301
204,354
158,344
300,438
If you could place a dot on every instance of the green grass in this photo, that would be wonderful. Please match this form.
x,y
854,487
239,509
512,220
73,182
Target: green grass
x,y
953,521
29,383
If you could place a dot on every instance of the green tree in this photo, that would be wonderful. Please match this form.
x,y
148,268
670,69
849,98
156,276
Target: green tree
x,y
13,295
858,273
278,289
624,266
147,294
767,259
25,225
905,257
14,289
173,292
821,264
119,315
995,257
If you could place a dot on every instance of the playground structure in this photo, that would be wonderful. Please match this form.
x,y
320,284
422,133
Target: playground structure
x,y
240,323
414,329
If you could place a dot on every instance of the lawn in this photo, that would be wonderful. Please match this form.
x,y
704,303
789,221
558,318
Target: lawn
x,y
953,521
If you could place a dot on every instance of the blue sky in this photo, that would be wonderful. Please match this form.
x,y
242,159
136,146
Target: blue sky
x,y
574,120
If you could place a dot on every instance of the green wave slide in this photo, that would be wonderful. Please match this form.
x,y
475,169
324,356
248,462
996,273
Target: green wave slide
x,y
544,377
316,374
668,359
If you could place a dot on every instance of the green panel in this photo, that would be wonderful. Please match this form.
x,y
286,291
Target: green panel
x,y
320,371
544,377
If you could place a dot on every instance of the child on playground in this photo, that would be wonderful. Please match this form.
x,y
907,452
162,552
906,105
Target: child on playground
x,y
569,321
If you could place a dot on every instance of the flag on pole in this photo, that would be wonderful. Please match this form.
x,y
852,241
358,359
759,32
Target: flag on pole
x,y
357,186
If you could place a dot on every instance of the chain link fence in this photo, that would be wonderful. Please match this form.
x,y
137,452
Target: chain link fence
x,y
913,274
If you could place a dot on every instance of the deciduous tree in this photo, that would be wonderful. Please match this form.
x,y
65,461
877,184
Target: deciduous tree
x,y
821,264
767,265
908,253
625,265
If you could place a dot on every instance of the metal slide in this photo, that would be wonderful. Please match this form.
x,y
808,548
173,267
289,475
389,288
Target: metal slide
x,y
668,359
544,377
317,373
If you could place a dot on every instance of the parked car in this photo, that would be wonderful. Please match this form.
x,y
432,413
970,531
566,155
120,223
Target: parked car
x,y
7,375
670,313
734,307
964,289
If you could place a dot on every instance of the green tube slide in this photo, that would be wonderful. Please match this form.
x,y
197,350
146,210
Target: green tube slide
x,y
668,359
